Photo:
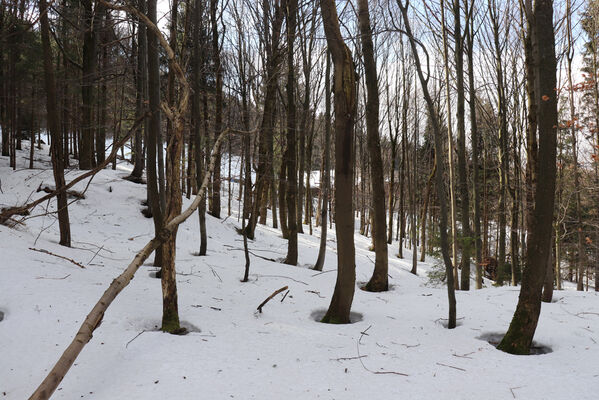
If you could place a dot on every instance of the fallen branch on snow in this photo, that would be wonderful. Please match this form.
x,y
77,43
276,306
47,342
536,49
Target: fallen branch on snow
x,y
7,213
276,292
451,366
94,318
362,362
58,255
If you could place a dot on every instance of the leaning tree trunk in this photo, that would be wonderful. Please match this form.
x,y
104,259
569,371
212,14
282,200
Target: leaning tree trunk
x,y
344,86
518,338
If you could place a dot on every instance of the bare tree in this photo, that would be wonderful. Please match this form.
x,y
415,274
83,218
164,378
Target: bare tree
x,y
518,338
344,88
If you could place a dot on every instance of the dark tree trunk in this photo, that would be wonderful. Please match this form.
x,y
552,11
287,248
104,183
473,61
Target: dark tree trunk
x,y
325,182
54,126
86,144
265,166
379,281
475,149
293,214
518,338
102,103
345,112
425,202
218,108
141,74
154,134
466,241
282,195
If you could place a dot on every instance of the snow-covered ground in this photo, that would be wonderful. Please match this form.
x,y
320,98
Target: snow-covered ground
x,y
233,352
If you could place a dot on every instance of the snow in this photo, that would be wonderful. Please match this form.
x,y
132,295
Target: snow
x,y
234,352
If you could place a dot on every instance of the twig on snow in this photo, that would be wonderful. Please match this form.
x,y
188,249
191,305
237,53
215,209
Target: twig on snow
x,y
347,358
280,276
136,336
95,254
276,292
57,255
359,357
323,272
451,366
54,279
512,390
215,273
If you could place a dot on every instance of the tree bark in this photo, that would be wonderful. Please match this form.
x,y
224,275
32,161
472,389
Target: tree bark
x,y
54,127
466,239
154,128
379,281
218,108
141,95
86,159
293,215
325,181
344,86
518,338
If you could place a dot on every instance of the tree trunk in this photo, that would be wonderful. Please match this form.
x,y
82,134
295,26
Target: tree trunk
x,y
325,180
452,199
451,322
466,241
293,215
54,126
518,338
102,103
379,281
218,108
154,127
141,95
170,308
265,167
87,87
344,87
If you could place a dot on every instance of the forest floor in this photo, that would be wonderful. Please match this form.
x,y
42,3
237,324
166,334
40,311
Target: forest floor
x,y
234,352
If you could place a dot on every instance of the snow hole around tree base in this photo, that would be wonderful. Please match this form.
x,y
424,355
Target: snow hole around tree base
x,y
494,338
1,315
318,314
154,326
362,284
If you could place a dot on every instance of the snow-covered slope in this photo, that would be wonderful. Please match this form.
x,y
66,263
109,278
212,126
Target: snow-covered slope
x,y
233,352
